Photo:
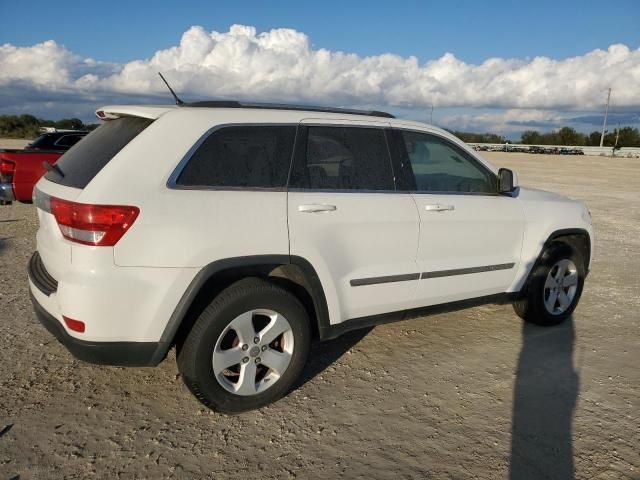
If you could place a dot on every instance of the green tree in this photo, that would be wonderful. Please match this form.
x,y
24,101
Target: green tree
x,y
628,137
569,136
531,137
28,126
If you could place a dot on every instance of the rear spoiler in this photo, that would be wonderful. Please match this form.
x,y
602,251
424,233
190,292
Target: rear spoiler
x,y
151,112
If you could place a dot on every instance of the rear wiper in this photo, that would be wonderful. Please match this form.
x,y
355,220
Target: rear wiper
x,y
53,168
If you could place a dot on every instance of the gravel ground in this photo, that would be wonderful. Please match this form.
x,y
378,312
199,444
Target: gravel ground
x,y
471,394
13,143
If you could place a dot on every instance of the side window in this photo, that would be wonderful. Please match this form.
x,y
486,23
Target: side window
x,y
68,140
440,166
242,156
344,158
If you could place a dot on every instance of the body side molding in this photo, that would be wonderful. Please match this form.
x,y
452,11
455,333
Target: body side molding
x,y
359,282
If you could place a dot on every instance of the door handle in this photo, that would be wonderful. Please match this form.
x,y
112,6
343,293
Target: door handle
x,y
316,208
436,207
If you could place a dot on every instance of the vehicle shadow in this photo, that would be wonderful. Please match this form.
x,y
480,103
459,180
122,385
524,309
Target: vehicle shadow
x,y
545,397
324,354
4,243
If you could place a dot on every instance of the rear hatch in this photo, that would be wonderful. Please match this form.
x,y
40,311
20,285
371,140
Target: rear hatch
x,y
63,221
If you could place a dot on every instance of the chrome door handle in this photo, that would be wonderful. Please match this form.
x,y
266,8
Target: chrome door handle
x,y
316,208
436,207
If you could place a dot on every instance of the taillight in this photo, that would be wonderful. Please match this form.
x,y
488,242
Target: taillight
x,y
7,168
98,225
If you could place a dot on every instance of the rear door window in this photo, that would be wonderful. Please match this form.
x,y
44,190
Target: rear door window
x,y
85,159
241,156
344,158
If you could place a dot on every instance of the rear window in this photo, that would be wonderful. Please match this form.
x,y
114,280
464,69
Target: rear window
x,y
68,140
88,157
243,156
42,142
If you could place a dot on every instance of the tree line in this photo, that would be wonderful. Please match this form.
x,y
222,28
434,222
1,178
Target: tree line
x,y
627,137
28,126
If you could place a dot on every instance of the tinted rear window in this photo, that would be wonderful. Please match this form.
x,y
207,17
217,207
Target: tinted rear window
x,y
68,140
88,157
344,158
243,156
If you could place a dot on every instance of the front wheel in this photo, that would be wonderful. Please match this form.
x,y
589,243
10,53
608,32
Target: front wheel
x,y
555,287
247,348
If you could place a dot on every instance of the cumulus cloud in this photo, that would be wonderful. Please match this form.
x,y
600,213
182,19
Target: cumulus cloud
x,y
281,65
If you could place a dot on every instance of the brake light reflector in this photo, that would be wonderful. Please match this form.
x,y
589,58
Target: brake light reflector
x,y
75,325
97,225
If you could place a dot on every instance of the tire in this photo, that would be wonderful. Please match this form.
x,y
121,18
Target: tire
x,y
251,307
534,306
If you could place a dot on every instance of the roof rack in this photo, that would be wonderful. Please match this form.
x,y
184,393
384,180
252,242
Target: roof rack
x,y
278,106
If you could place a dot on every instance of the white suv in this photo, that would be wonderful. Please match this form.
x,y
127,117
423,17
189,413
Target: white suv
x,y
239,233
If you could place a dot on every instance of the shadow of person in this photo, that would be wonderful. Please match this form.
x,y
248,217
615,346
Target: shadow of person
x,y
323,354
545,395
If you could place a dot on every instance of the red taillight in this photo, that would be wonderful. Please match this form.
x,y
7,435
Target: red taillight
x,y
7,168
75,325
98,225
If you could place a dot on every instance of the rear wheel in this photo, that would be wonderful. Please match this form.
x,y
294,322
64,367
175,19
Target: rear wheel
x,y
247,348
555,287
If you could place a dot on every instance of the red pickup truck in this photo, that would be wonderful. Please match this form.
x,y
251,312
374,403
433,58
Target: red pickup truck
x,y
21,169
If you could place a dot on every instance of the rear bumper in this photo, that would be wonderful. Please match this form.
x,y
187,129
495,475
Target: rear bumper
x,y
6,192
123,354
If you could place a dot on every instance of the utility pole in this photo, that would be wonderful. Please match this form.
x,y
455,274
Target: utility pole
x,y
604,125
431,121
615,145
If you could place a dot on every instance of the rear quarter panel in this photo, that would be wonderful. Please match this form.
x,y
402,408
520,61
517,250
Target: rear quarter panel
x,y
185,227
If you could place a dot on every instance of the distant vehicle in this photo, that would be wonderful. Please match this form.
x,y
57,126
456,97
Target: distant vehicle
x,y
57,140
21,169
238,232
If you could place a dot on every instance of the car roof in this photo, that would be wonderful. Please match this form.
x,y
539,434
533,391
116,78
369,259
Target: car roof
x,y
266,112
153,111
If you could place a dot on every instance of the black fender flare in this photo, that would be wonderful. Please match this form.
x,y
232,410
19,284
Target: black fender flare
x,y
564,232
314,288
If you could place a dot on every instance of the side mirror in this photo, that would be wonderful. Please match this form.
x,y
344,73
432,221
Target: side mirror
x,y
507,180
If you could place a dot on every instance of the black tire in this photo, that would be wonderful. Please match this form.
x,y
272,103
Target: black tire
x,y
531,307
196,353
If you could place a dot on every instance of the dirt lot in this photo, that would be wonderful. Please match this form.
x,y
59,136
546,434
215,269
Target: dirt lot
x,y
472,394
13,143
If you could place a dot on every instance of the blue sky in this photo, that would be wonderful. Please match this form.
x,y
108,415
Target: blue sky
x,y
118,32
121,31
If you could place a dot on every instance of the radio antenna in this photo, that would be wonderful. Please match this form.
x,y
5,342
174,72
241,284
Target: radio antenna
x,y
178,101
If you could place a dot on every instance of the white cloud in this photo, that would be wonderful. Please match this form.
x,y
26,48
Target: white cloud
x,y
281,65
505,121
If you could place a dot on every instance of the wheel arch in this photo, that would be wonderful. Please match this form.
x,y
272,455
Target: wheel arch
x,y
292,272
576,238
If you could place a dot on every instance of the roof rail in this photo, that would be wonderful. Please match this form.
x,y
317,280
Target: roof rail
x,y
59,130
278,106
